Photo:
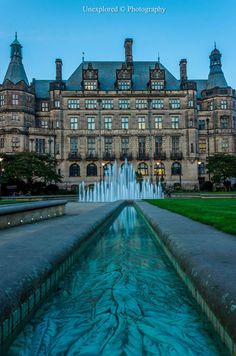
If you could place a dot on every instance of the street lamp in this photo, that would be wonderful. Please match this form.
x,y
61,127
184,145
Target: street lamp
x,y
1,170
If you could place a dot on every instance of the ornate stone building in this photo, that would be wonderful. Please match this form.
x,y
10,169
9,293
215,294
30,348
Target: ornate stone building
x,y
110,111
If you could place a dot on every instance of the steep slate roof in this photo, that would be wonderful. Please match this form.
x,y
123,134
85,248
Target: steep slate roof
x,y
107,75
42,88
16,72
216,79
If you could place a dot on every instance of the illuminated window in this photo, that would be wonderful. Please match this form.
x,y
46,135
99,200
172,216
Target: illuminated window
x,y
141,123
90,85
15,99
91,123
124,122
158,122
174,122
44,106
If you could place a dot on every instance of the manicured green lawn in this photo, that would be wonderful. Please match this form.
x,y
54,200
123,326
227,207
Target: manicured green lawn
x,y
14,201
217,212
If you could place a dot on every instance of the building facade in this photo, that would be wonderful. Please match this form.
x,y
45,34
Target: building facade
x,y
106,111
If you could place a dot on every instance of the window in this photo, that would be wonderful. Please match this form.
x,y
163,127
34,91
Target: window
x,y
223,104
73,145
202,145
58,124
225,144
158,104
73,104
141,123
15,117
191,148
91,123
190,123
92,170
90,104
175,143
141,147
190,103
74,170
107,123
124,145
201,168
124,85
158,122
107,169
224,122
40,145
174,122
15,99
201,124
174,103
143,169
108,145
90,85
210,105
91,143
107,104
141,104
57,104
15,141
158,145
157,85
2,100
44,123
159,169
44,106
124,122
2,142
176,169
73,123
124,104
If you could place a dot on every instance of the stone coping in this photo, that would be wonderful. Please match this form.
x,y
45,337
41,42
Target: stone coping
x,y
205,258
22,207
34,257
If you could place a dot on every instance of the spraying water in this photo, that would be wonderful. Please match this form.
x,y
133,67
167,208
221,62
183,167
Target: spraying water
x,y
120,183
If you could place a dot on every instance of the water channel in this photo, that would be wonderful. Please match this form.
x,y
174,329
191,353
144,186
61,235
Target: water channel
x,y
121,298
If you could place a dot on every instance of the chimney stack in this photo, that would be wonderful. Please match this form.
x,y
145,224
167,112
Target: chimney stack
x,y
128,51
58,70
183,70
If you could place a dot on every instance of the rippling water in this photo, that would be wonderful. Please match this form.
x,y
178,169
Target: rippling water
x,y
122,298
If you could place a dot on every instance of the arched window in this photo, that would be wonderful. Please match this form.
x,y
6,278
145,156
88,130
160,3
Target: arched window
x,y
92,170
159,169
201,168
176,169
74,170
107,168
143,169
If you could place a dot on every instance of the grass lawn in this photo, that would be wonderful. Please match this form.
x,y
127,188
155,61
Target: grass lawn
x,y
220,213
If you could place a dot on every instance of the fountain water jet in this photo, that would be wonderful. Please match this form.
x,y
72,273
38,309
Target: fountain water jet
x,y
120,183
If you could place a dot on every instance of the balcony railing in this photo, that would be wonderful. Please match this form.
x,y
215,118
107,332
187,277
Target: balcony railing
x,y
127,156
142,156
74,156
91,156
159,156
176,155
109,156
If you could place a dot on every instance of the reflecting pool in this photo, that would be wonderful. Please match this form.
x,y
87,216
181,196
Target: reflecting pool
x,y
122,298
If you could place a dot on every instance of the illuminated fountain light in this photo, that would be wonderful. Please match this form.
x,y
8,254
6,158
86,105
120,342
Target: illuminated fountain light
x,y
120,184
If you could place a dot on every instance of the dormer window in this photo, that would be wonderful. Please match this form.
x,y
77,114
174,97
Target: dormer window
x,y
90,85
124,85
157,84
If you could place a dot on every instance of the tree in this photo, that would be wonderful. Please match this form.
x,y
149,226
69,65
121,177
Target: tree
x,y
221,167
31,167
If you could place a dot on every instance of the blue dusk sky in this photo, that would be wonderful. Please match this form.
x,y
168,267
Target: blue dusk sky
x,y
50,29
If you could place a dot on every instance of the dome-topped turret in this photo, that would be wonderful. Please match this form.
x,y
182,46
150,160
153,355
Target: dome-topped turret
x,y
216,76
16,72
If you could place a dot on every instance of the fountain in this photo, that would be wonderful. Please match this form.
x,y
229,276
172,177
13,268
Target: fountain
x,y
120,183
